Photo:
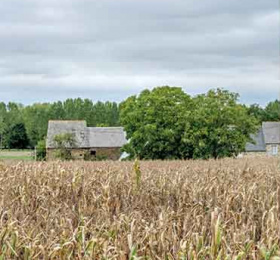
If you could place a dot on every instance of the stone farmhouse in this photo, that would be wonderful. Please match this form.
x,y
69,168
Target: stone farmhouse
x,y
90,142
266,141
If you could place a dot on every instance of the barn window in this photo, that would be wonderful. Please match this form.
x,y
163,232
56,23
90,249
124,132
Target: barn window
x,y
274,149
93,153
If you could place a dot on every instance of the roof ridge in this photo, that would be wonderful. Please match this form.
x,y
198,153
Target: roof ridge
x,y
53,120
105,127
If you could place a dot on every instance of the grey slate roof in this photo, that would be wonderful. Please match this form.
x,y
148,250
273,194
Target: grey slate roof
x,y
106,137
86,137
271,132
259,144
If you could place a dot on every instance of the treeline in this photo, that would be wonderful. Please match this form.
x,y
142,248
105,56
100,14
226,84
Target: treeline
x,y
270,113
24,126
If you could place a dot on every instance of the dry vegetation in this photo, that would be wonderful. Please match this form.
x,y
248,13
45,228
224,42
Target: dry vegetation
x,y
227,209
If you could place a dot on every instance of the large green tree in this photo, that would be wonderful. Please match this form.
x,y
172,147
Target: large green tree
x,y
155,122
166,123
219,126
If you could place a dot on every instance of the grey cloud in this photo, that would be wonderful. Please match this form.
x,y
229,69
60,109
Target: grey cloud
x,y
57,49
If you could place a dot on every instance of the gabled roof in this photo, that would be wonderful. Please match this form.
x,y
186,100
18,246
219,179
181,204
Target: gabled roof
x,y
106,137
271,132
258,145
86,137
77,128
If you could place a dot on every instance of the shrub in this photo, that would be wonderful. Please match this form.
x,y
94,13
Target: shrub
x,y
41,150
64,144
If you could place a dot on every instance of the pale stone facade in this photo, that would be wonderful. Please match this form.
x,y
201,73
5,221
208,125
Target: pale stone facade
x,y
273,149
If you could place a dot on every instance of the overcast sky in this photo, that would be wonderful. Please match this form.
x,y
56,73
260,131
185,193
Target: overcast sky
x,y
110,49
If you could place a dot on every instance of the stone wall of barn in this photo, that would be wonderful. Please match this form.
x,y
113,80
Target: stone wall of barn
x,y
89,154
254,154
269,149
269,152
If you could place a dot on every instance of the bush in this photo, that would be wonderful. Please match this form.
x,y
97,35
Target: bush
x,y
64,143
41,150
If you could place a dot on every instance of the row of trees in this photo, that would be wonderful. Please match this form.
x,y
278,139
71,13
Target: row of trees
x,y
22,127
167,123
160,124
270,113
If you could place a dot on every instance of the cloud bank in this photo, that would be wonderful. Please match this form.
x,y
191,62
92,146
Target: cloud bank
x,y
110,49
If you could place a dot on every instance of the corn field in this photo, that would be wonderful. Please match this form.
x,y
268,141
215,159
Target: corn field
x,y
224,209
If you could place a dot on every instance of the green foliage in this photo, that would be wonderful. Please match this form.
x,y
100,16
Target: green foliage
x,y
3,116
41,150
16,137
12,127
101,157
36,119
137,173
166,123
218,126
78,109
258,112
88,156
155,122
64,143
272,111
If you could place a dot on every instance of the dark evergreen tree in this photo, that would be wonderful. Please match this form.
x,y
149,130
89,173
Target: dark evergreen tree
x,y
16,137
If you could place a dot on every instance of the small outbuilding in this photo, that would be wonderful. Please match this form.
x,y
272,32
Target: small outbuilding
x,y
266,141
90,142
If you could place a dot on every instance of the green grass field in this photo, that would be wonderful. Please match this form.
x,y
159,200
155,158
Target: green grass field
x,y
16,155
